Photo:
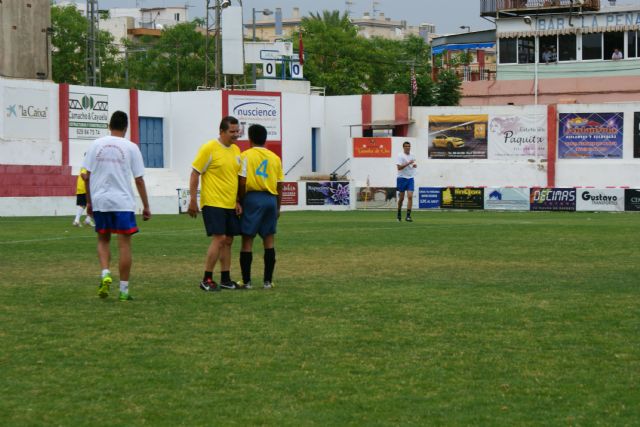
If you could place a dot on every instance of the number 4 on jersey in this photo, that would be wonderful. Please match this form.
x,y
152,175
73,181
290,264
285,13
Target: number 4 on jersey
x,y
262,169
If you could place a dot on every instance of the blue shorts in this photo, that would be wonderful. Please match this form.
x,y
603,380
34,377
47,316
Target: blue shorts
x,y
259,214
404,184
115,222
220,221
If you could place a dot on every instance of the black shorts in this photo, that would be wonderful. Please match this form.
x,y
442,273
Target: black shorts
x,y
81,199
220,221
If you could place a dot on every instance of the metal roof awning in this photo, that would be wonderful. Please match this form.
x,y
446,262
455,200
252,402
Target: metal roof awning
x,y
570,30
461,46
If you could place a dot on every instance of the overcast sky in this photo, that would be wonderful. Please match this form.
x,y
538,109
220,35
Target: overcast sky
x,y
447,16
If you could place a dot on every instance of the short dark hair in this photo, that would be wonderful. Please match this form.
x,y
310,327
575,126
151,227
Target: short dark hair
x,y
119,121
405,143
257,134
226,122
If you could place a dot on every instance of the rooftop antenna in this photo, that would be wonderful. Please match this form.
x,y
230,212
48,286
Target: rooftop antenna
x,y
348,4
373,8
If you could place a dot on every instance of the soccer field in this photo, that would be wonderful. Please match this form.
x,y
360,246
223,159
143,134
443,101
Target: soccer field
x,y
460,318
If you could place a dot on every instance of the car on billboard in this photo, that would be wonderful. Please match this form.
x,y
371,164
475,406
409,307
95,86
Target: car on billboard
x,y
448,142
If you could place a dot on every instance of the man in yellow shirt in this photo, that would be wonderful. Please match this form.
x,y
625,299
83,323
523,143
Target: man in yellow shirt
x,y
81,200
217,165
260,191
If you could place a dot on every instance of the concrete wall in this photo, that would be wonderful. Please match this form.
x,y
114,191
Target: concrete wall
x,y
24,47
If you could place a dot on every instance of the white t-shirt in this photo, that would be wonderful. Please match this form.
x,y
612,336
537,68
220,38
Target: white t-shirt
x,y
403,159
113,161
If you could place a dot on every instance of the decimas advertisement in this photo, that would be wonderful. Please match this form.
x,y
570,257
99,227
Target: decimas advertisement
x,y
552,199
590,136
462,198
328,193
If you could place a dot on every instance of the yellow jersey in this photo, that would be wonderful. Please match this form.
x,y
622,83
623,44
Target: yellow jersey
x,y
218,166
263,170
80,184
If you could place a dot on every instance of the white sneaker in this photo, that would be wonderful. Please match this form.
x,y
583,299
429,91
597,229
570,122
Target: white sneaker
x,y
268,285
89,222
76,224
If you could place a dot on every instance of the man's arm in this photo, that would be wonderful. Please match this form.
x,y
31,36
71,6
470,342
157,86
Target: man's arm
x,y
279,196
400,167
194,180
142,191
87,176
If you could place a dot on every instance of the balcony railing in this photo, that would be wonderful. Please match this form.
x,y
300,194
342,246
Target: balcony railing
x,y
491,7
472,72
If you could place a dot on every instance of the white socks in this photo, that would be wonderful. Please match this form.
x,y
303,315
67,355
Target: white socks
x,y
79,213
124,287
105,272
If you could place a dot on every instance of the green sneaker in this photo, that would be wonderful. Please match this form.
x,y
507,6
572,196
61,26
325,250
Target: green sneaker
x,y
103,290
125,297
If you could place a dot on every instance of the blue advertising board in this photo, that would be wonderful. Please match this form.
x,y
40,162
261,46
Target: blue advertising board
x,y
590,136
429,197
552,199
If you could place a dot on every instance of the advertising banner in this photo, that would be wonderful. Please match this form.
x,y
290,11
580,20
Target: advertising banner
x,y
636,135
289,194
512,137
631,200
263,108
371,147
590,136
458,137
552,199
26,113
462,198
184,196
328,193
506,199
590,199
429,197
376,198
88,115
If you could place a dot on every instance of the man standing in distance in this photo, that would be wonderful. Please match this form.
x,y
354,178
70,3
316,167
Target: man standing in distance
x,y
111,162
406,163
217,164
260,191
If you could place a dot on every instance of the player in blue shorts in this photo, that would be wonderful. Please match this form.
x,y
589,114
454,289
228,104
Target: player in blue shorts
x,y
406,164
260,192
111,163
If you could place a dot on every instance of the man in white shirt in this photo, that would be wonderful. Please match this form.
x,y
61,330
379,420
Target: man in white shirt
x,y
406,163
111,162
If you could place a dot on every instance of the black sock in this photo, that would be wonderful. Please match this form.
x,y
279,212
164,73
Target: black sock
x,y
408,212
245,265
269,264
399,212
208,275
225,276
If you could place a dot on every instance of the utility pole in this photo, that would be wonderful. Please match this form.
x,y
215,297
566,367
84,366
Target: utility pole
x,y
91,64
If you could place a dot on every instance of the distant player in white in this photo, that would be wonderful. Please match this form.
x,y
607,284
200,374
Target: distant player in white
x,y
406,163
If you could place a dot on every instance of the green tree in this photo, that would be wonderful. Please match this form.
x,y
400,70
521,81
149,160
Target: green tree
x,y
448,90
69,42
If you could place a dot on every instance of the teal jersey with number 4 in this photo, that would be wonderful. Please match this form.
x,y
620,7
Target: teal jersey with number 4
x,y
262,168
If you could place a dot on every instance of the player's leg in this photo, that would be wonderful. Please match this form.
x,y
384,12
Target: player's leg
x,y
81,204
410,188
104,256
124,264
400,186
267,230
269,260
225,264
246,259
214,224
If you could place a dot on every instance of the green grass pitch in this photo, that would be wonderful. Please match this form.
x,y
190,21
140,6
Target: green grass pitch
x,y
460,318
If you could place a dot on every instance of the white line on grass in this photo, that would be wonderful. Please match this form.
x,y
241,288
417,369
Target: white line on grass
x,y
92,236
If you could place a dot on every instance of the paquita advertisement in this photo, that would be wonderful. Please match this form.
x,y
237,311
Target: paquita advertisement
x,y
590,136
26,113
458,137
513,137
263,108
88,115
